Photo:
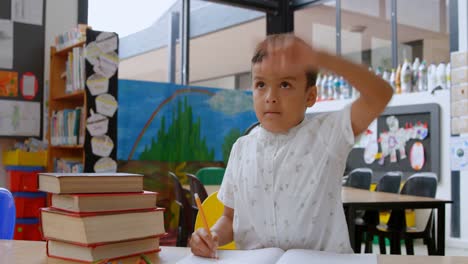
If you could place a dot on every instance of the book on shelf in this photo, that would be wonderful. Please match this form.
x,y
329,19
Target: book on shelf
x,y
68,165
280,256
91,229
104,202
75,71
109,251
67,127
71,37
90,182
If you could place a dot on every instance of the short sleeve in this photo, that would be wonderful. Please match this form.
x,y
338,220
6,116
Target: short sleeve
x,y
226,192
338,132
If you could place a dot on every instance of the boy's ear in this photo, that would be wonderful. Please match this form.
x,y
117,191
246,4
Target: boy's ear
x,y
311,95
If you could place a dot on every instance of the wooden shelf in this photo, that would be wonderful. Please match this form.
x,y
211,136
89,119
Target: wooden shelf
x,y
75,95
64,51
67,147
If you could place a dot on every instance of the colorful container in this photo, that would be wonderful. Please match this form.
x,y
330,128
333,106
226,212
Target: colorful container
x,y
24,158
23,179
27,229
28,204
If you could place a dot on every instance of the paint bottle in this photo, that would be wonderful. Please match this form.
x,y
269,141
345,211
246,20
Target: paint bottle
x,y
440,76
344,88
398,79
318,87
330,87
416,64
431,77
406,77
337,88
323,84
392,80
422,77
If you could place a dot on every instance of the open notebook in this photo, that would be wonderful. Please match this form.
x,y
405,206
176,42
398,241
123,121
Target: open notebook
x,y
277,255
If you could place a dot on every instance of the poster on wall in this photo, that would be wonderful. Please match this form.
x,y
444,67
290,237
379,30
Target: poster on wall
x,y
459,153
8,84
19,118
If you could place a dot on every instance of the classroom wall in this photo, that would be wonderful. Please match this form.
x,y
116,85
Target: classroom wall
x,y
462,46
60,16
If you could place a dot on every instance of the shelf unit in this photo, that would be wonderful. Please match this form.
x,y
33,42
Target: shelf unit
x,y
60,100
91,155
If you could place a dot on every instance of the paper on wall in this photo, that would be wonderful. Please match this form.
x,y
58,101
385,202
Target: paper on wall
x,y
108,63
459,153
19,118
29,82
106,42
27,11
6,44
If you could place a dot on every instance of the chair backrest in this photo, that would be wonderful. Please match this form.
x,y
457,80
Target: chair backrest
x,y
390,182
211,175
7,214
421,184
196,187
360,178
186,213
213,209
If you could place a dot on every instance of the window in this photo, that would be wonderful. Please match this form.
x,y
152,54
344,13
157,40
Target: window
x,y
366,33
222,44
143,31
316,24
423,34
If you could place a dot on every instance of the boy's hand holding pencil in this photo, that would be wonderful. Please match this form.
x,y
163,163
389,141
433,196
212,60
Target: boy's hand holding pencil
x,y
203,242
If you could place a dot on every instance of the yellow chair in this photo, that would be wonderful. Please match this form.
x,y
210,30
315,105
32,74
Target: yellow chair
x,y
213,209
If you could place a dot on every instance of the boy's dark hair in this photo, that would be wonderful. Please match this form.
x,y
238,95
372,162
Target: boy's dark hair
x,y
261,52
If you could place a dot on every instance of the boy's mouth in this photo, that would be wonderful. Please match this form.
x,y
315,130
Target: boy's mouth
x,y
269,113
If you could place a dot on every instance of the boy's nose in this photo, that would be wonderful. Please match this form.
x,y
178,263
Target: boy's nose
x,y
271,96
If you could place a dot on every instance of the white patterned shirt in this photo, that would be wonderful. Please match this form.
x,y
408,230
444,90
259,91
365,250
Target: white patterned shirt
x,y
285,189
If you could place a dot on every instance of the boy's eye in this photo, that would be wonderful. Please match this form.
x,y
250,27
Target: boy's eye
x,y
259,85
285,85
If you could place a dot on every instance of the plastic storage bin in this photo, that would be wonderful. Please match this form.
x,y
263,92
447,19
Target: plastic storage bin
x,y
27,229
24,158
23,179
28,204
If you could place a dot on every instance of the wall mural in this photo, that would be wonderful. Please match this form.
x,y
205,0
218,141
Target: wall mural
x,y
166,127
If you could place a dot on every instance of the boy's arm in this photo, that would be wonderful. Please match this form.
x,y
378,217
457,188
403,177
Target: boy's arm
x,y
375,93
223,227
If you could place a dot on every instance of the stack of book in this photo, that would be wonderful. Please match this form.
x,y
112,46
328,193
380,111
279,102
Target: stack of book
x,y
99,217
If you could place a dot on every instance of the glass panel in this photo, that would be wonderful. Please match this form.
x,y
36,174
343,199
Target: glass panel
x,y
107,15
222,44
316,24
423,36
143,29
366,33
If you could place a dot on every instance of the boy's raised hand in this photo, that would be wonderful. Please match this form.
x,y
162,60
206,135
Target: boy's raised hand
x,y
203,243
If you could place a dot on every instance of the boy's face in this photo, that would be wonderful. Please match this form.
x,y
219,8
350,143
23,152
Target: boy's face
x,y
280,91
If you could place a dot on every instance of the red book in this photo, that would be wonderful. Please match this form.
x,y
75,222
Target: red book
x,y
95,228
104,202
59,250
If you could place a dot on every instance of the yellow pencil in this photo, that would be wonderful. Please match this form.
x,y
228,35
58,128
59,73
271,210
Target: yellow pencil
x,y
205,223
200,209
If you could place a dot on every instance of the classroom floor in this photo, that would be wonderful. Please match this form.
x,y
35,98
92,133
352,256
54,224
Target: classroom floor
x,y
421,249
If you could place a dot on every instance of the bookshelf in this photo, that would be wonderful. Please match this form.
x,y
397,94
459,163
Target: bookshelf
x,y
59,100
72,103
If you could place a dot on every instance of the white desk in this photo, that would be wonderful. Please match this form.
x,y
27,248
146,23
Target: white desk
x,y
34,252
